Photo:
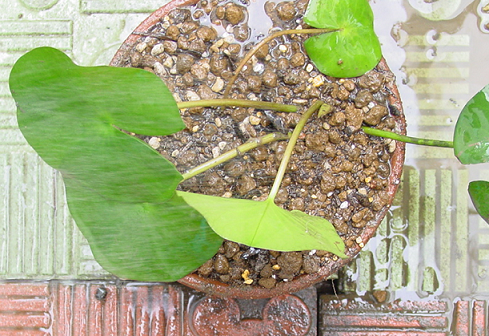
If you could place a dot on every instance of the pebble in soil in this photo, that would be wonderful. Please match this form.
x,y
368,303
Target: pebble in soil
x,y
336,171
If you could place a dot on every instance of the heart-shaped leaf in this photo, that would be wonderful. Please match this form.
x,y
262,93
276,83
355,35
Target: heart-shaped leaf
x,y
479,193
120,191
266,225
351,50
471,136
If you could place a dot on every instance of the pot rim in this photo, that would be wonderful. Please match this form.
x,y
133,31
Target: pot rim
x,y
216,288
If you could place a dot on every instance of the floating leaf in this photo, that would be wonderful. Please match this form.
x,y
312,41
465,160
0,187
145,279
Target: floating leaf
x,y
266,225
351,50
120,191
479,193
471,136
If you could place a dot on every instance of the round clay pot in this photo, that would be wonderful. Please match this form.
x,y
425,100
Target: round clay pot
x,y
217,288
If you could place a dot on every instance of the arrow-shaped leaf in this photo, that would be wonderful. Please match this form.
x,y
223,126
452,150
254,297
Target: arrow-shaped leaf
x,y
143,241
72,116
266,225
120,191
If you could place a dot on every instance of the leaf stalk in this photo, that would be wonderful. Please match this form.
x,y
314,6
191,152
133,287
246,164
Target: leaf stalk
x,y
238,102
249,145
290,147
267,39
407,139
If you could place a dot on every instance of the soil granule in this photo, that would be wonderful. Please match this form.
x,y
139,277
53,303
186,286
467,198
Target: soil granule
x,y
336,171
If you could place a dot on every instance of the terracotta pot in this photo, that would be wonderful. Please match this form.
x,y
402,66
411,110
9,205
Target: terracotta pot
x,y
217,288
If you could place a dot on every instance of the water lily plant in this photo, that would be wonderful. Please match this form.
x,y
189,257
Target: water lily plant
x,y
123,194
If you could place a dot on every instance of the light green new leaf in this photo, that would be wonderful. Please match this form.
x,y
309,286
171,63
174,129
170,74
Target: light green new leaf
x,y
479,193
120,191
266,225
351,50
471,136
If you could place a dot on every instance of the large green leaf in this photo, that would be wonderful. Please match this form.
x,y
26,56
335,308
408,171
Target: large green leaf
x,y
471,136
72,116
351,50
479,193
143,241
121,192
265,225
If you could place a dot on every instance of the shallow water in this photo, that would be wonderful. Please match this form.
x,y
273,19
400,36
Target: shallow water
x,y
433,244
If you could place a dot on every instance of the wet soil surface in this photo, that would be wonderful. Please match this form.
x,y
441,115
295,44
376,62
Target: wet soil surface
x,y
336,171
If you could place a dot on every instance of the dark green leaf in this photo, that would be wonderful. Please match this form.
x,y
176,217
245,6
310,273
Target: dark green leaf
x,y
121,192
72,117
479,193
265,225
350,51
143,241
471,137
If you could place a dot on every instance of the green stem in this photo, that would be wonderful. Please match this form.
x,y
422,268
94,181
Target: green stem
x,y
407,139
290,147
267,39
238,102
251,144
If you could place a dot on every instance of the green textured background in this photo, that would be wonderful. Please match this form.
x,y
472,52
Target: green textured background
x,y
431,243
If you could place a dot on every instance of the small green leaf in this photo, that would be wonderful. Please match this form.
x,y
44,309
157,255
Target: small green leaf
x,y
351,50
120,191
479,193
266,225
471,136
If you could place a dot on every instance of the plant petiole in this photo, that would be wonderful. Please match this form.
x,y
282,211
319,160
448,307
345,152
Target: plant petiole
x,y
267,39
407,139
238,102
290,147
249,145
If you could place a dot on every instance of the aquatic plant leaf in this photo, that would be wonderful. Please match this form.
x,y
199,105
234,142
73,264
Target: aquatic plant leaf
x,y
471,136
143,241
351,50
120,191
266,225
74,116
479,193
